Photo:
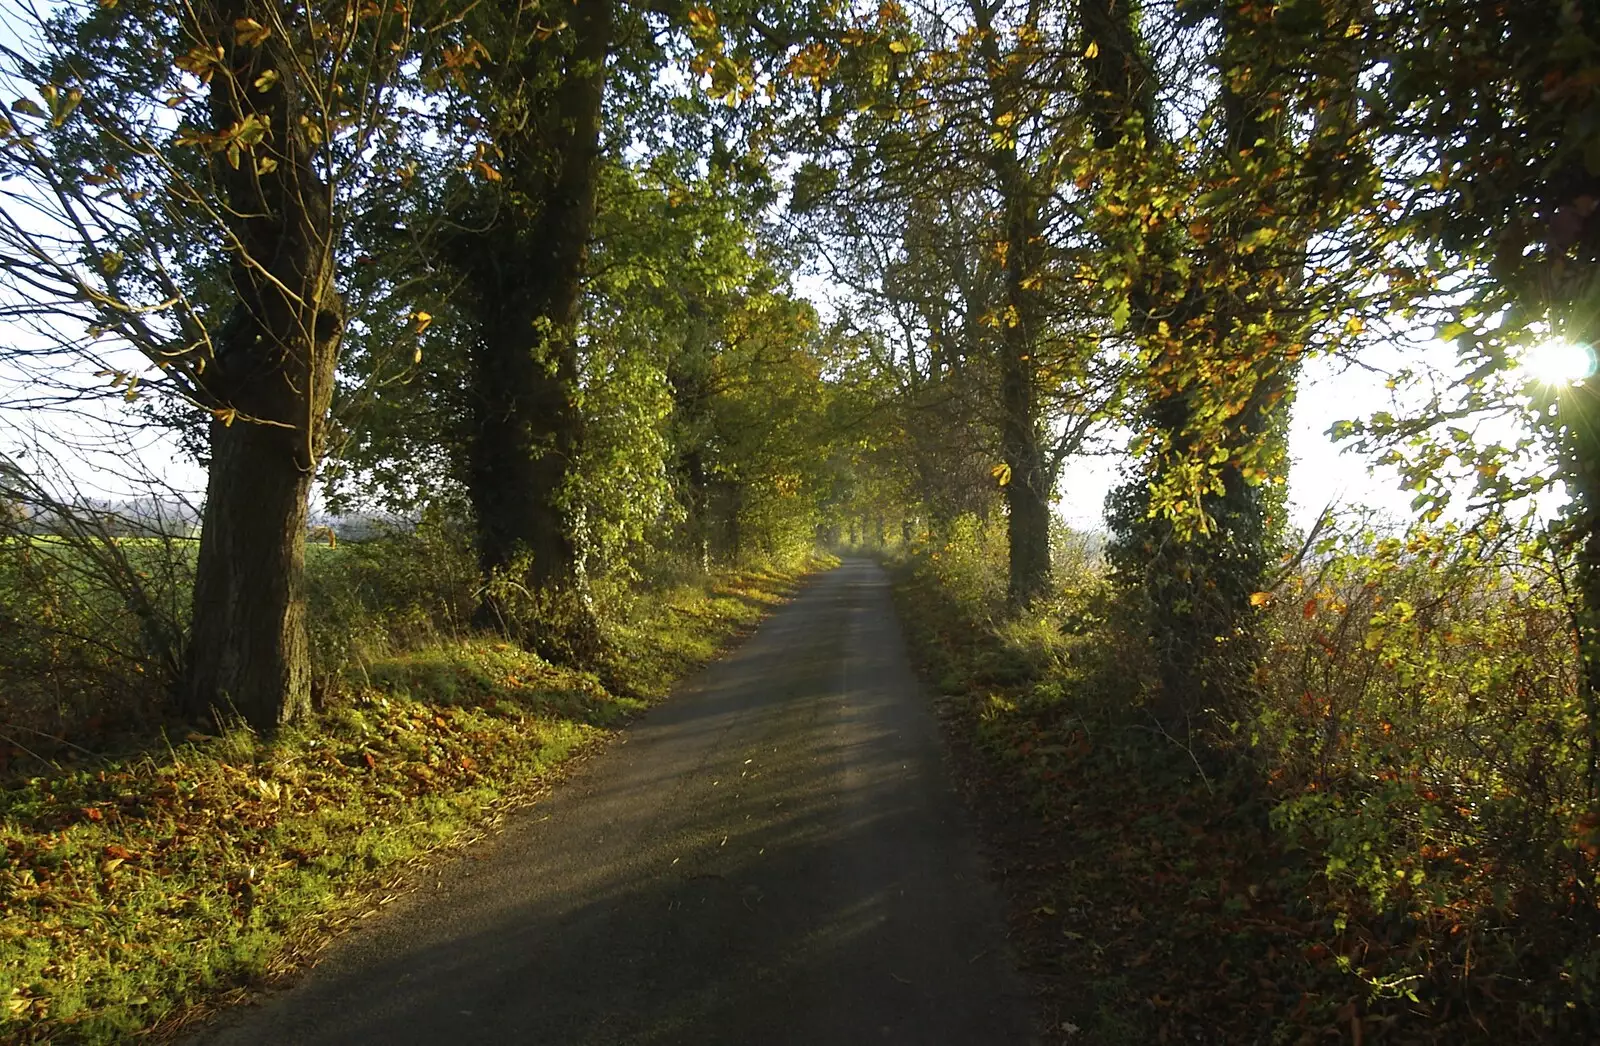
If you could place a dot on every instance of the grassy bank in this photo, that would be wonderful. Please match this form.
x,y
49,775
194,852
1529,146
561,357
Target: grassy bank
x,y
141,889
1161,891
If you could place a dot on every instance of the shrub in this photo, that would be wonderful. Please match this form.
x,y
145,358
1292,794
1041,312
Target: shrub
x,y
969,561
372,598
92,627
1412,786
1422,721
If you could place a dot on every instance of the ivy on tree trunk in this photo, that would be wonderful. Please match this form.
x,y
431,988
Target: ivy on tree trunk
x,y
527,425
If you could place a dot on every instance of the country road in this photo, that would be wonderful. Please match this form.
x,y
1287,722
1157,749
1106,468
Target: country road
x,y
776,855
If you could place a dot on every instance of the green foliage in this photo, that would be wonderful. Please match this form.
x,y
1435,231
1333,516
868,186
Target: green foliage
x,y
91,627
369,599
1427,731
968,560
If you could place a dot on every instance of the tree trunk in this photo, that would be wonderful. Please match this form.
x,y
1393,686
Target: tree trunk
x,y
1120,94
270,386
527,428
250,652
698,510
1197,575
1028,488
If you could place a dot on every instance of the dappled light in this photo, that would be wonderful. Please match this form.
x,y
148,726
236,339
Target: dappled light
x,y
465,467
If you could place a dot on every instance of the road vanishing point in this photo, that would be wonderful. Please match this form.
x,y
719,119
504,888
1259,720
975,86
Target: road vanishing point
x,y
777,855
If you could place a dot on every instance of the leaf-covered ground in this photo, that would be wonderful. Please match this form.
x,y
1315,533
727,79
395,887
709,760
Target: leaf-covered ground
x,y
139,891
1154,902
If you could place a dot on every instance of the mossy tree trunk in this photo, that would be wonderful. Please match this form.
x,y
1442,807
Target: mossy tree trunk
x,y
1226,295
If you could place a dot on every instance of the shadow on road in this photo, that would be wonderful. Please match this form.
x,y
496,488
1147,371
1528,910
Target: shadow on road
x,y
773,857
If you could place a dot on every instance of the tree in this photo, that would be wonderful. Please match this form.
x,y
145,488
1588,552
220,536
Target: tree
x,y
966,104
1207,238
180,189
522,248
531,90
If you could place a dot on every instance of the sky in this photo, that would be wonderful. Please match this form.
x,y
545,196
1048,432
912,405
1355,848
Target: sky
x,y
1321,472
93,451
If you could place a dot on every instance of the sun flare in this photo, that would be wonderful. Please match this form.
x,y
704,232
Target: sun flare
x,y
1559,362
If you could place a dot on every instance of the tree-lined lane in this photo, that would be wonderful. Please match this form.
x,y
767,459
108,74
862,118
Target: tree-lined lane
x,y
775,856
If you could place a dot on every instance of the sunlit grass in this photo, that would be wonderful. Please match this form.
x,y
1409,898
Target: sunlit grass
x,y
136,891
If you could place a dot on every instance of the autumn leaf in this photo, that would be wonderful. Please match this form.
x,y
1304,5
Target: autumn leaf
x,y
201,61
702,19
248,32
61,103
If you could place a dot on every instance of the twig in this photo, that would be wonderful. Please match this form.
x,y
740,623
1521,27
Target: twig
x,y
1190,750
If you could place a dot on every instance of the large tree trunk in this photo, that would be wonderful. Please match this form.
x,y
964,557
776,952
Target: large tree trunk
x,y
270,385
250,653
1028,488
527,428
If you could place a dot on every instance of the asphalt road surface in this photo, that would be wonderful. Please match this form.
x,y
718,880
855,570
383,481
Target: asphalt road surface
x,y
775,856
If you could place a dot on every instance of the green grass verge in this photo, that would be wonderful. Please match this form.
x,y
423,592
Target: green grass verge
x,y
137,892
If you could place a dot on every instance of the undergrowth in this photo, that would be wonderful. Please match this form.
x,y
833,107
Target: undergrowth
x,y
1390,847
138,890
